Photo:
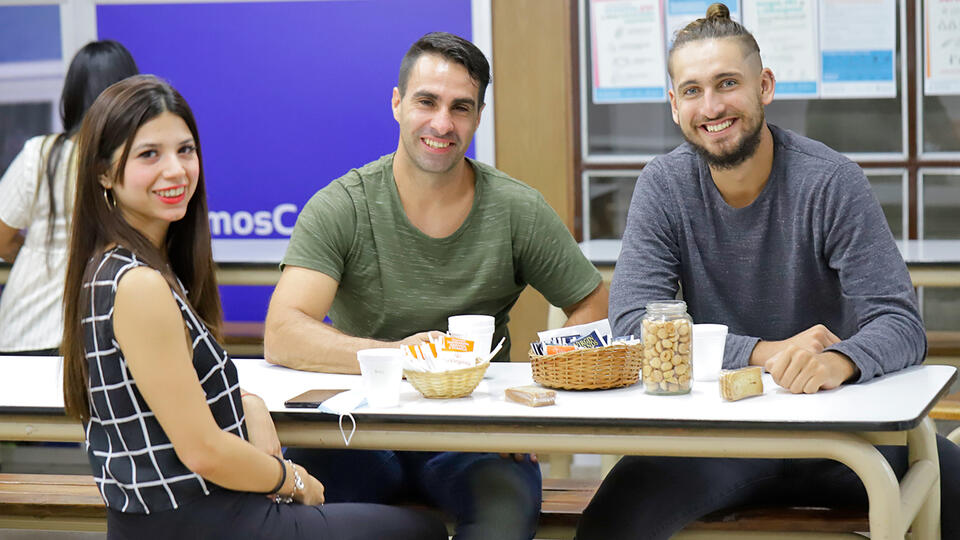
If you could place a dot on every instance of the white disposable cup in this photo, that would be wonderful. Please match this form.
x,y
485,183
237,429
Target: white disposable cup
x,y
477,328
708,343
381,371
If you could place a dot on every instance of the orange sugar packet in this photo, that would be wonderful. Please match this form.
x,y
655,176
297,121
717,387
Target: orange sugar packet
x,y
456,344
556,349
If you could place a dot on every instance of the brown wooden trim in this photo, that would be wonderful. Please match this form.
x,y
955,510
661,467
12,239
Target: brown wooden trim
x,y
911,97
576,125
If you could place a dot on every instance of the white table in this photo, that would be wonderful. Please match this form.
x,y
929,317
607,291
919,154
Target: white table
x,y
841,424
932,263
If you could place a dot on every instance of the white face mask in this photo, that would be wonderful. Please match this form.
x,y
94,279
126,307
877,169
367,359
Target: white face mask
x,y
342,405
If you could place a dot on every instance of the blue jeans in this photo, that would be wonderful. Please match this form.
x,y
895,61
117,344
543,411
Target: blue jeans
x,y
491,497
654,497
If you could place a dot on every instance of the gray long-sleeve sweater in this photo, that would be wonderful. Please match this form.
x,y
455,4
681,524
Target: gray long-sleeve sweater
x,y
813,248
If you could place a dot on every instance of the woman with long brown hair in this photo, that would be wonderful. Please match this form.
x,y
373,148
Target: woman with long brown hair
x,y
169,437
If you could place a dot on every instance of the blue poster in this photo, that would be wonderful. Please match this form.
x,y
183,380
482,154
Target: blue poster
x,y
288,96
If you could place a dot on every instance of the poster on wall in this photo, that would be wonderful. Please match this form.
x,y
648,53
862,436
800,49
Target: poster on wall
x,y
858,40
288,96
627,44
941,47
786,31
682,12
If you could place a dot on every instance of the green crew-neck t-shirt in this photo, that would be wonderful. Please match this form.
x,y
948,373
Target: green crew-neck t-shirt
x,y
395,281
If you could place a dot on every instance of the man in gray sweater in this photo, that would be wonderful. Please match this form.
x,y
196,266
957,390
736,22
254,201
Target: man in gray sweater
x,y
780,238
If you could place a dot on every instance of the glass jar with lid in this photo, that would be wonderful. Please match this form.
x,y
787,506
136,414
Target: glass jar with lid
x,y
667,348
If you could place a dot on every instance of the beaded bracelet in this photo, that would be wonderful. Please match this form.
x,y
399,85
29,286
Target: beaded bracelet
x,y
297,486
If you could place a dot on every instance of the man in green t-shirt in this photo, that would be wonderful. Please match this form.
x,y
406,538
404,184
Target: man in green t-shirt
x,y
391,249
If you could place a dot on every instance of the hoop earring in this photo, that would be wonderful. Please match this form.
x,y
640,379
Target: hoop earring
x,y
108,198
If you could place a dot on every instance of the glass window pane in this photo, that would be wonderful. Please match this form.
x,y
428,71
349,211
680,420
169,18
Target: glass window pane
x,y
19,122
941,123
941,114
941,308
610,199
609,202
941,206
889,191
846,125
29,33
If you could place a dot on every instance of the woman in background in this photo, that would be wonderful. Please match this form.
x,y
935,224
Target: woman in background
x,y
36,193
175,450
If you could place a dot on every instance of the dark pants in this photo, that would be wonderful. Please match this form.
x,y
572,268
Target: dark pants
x,y
654,497
231,515
492,498
39,352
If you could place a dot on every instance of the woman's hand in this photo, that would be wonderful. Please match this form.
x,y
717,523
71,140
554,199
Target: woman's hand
x,y
312,492
260,427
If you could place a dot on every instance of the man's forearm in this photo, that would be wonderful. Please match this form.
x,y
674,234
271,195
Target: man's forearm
x,y
300,342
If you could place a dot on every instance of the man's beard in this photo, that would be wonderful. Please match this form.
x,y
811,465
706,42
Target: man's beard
x,y
746,149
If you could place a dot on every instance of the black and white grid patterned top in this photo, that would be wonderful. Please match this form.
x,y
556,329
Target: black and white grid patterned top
x,y
133,461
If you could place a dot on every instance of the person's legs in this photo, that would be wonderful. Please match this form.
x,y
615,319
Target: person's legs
x,y
829,483
370,476
227,515
368,521
660,496
654,497
490,496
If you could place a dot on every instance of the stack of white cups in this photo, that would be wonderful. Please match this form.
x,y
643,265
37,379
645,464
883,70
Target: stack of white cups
x,y
477,328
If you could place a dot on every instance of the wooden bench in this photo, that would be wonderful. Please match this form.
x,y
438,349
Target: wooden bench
x,y
72,502
943,347
58,502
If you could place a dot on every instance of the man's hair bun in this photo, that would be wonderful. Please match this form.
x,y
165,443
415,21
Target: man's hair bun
x,y
718,11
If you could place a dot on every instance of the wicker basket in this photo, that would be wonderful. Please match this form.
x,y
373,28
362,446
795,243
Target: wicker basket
x,y
589,369
447,384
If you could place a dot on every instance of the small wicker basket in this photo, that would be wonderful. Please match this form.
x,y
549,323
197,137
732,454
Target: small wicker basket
x,y
447,384
613,366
